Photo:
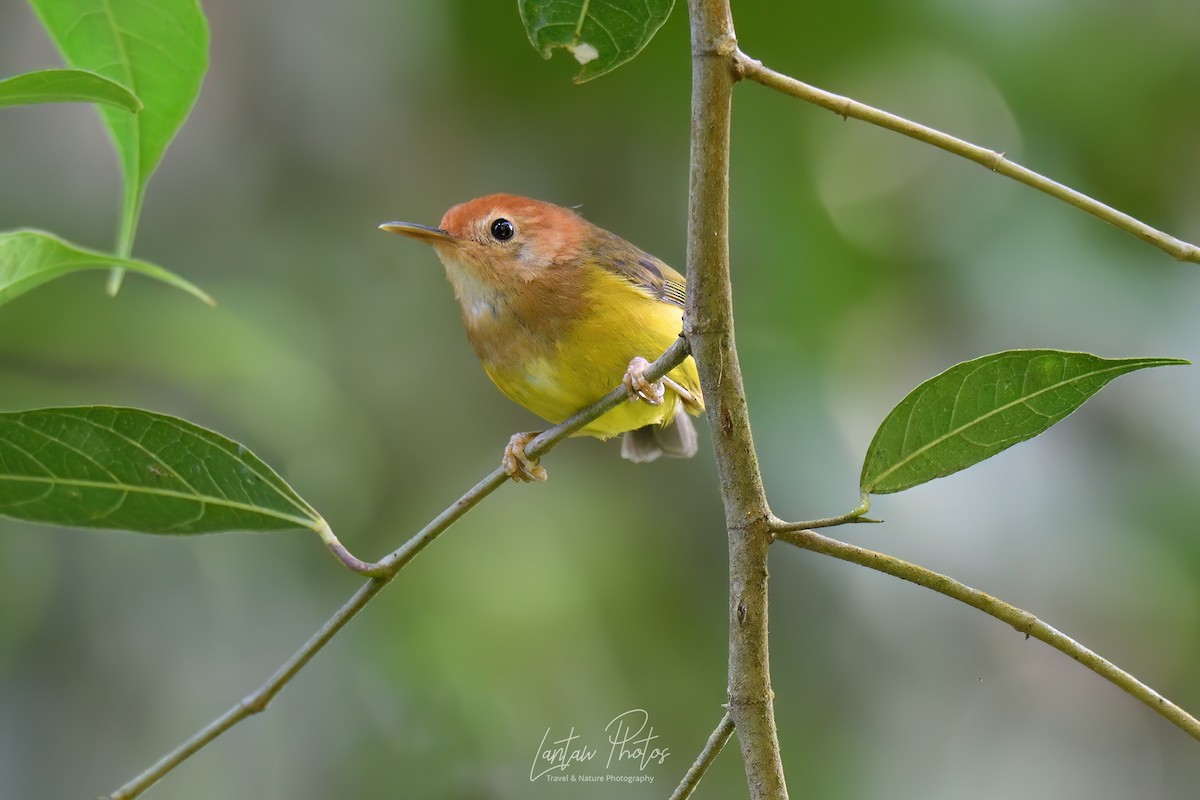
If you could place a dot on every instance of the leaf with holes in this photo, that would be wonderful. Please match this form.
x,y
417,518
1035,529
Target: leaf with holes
x,y
601,34
123,468
976,409
66,86
29,258
160,51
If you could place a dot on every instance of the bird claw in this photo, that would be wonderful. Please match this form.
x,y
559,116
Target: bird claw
x,y
654,392
640,388
519,466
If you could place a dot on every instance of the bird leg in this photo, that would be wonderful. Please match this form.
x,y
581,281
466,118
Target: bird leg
x,y
652,392
519,466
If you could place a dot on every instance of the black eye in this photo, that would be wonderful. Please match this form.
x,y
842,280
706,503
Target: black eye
x,y
502,230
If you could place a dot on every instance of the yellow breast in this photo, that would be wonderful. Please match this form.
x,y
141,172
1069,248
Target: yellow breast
x,y
579,362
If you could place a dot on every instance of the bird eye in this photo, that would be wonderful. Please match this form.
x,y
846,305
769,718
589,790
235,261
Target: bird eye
x,y
502,230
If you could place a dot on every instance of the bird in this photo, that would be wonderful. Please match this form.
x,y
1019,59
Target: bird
x,y
559,311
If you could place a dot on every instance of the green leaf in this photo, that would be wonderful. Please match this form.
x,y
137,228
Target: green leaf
x,y
29,258
159,50
974,410
66,86
601,34
123,468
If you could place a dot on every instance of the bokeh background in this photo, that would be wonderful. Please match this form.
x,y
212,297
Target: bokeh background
x,y
864,264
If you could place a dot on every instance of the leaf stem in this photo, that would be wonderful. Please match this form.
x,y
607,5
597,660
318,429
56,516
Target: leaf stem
x,y
716,742
131,210
342,554
857,515
583,12
1022,621
995,161
384,571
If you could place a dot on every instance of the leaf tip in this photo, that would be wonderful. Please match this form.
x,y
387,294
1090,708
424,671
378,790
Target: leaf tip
x,y
589,72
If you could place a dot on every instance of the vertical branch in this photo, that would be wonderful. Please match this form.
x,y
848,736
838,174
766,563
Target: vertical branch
x,y
708,324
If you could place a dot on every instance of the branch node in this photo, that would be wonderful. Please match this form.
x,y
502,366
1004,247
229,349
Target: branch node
x,y
725,45
755,702
742,63
254,703
722,45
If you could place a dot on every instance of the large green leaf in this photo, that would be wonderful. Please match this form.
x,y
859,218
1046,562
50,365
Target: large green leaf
x,y
601,34
123,468
66,86
974,410
29,258
159,50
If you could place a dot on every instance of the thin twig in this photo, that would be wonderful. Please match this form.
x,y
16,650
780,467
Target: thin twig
x,y
996,162
707,756
253,703
538,446
708,323
385,570
1022,621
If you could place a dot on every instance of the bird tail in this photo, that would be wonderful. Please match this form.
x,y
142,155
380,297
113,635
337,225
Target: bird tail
x,y
677,439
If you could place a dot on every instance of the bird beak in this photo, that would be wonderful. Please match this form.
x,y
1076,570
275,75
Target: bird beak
x,y
426,233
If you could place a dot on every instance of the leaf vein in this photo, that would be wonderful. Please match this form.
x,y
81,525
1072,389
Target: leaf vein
x,y
156,492
923,450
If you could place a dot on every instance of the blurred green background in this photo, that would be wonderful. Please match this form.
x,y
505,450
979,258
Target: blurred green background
x,y
864,264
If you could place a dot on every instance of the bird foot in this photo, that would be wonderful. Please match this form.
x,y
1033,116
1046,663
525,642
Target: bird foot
x,y
640,388
519,466
652,392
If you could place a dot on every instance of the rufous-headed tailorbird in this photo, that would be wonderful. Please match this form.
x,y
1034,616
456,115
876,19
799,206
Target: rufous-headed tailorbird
x,y
559,312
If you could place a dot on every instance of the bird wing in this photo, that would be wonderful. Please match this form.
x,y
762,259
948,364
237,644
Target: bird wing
x,y
650,274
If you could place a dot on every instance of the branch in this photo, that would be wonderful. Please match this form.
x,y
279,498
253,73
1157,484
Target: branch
x,y
382,573
708,755
1022,621
996,162
708,324
538,446
253,703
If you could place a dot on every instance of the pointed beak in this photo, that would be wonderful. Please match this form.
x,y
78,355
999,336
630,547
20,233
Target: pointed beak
x,y
425,233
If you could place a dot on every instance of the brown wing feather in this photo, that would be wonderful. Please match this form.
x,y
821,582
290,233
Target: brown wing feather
x,y
642,269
